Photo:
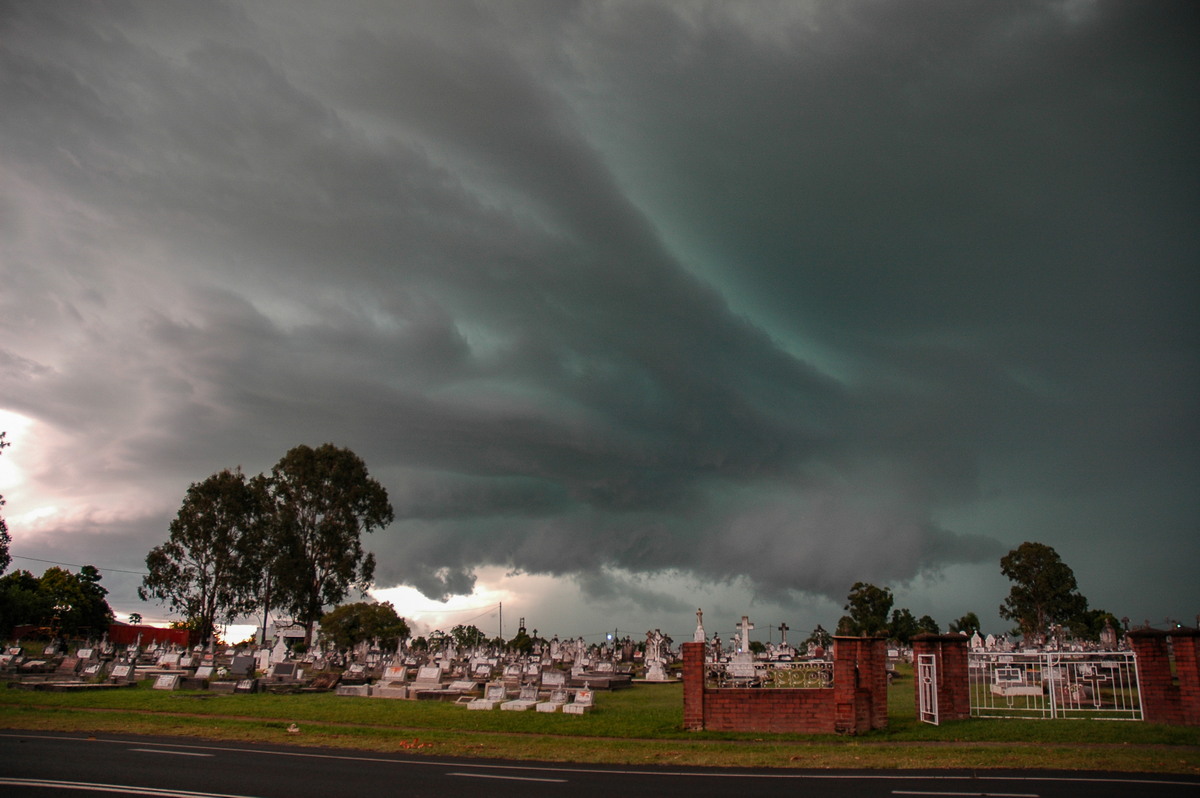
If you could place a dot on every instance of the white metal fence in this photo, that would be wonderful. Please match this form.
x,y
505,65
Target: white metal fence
x,y
809,674
1101,685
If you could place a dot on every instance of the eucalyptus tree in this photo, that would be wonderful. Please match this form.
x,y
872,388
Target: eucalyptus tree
x,y
868,606
1044,590
203,571
324,501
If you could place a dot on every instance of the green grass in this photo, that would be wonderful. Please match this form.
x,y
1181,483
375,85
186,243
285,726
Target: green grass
x,y
640,725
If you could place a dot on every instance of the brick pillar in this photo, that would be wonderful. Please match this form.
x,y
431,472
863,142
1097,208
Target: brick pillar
x,y
845,684
1162,700
693,686
953,684
1187,669
872,674
1160,697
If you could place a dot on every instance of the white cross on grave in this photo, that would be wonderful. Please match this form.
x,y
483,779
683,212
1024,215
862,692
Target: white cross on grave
x,y
783,630
745,626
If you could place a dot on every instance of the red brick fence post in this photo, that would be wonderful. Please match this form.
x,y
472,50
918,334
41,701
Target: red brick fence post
x,y
1163,701
693,686
953,685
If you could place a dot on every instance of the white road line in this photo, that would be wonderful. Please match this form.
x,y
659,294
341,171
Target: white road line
x,y
173,753
85,786
970,794
506,778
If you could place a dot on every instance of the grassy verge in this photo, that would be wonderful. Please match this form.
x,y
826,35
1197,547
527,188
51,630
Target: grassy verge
x,y
642,725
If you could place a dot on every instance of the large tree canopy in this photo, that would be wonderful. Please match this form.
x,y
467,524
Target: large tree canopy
x,y
351,624
202,571
1044,590
325,500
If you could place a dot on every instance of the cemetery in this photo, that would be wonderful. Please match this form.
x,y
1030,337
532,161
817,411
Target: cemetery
x,y
840,690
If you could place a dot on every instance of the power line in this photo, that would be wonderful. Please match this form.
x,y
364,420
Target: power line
x,y
76,565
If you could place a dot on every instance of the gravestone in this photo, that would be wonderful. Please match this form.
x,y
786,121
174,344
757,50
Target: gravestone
x,y
493,694
581,704
204,672
524,700
167,681
246,686
283,670
558,698
121,672
360,690
242,665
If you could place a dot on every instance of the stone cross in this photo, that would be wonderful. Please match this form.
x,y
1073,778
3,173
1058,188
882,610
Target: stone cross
x,y
744,627
783,630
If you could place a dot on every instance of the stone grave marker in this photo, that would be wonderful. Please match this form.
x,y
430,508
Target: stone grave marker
x,y
581,704
524,700
167,681
558,698
493,694
283,670
204,672
242,665
246,686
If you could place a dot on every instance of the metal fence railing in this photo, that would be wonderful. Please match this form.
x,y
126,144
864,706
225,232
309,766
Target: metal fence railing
x,y
1100,685
806,675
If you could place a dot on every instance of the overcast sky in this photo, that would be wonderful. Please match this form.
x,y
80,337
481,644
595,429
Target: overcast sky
x,y
633,307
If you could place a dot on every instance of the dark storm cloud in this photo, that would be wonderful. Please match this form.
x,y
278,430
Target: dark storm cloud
x,y
795,294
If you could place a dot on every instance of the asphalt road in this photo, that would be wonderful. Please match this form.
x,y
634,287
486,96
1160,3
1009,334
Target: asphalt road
x,y
44,764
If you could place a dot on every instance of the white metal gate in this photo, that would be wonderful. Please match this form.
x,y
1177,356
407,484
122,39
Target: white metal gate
x,y
1101,685
927,688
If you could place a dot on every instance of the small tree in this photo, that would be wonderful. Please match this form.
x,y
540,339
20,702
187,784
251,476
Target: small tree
x,y
902,626
1044,590
325,500
1089,624
74,603
968,624
467,636
927,625
351,624
21,602
868,606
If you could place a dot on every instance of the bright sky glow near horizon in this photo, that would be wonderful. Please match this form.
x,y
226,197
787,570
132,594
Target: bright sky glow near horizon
x,y
633,307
